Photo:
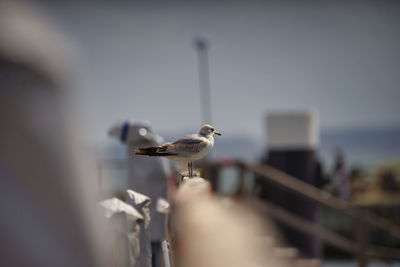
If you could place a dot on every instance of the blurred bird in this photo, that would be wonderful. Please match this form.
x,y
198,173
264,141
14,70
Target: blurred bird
x,y
186,149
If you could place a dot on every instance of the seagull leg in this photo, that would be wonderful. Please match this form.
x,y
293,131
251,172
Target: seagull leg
x,y
191,169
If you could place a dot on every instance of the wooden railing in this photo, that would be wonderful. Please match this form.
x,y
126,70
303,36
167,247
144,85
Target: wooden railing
x,y
365,221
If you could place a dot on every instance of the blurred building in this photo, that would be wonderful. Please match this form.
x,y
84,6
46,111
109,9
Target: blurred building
x,y
293,138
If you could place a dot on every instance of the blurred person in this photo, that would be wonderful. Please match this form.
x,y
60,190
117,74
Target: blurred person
x,y
45,217
339,174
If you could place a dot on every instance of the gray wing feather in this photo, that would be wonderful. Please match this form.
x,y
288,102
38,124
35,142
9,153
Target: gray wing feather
x,y
188,139
188,144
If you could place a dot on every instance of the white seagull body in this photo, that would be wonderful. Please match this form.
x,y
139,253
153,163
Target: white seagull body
x,y
186,149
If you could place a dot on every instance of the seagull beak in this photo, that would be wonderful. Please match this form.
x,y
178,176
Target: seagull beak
x,y
217,133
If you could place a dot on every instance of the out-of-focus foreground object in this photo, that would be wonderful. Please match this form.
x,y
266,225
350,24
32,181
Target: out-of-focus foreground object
x,y
214,231
126,232
142,203
44,200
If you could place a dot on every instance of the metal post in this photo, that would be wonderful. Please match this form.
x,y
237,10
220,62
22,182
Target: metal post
x,y
361,238
201,45
242,190
165,250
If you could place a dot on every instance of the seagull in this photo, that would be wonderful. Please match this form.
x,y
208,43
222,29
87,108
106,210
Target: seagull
x,y
186,149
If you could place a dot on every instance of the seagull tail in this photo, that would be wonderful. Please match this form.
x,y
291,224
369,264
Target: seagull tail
x,y
151,151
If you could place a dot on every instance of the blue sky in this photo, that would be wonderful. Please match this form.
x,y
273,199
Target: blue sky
x,y
136,60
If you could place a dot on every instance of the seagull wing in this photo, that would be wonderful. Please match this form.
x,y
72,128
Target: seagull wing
x,y
187,145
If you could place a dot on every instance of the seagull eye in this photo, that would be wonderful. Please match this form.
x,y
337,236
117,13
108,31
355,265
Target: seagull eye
x,y
212,129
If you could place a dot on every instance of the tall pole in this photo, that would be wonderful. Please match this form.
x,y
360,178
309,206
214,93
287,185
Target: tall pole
x,y
201,46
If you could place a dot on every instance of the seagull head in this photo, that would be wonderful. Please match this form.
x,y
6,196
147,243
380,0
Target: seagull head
x,y
207,130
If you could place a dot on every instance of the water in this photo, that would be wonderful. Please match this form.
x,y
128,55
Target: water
x,y
363,148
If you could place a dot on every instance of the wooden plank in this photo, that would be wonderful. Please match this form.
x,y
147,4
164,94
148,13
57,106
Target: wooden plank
x,y
303,225
320,232
270,174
